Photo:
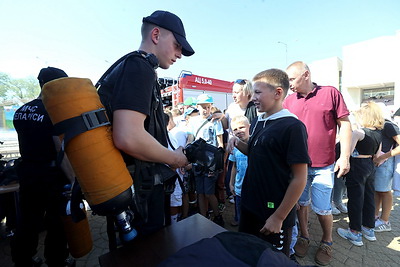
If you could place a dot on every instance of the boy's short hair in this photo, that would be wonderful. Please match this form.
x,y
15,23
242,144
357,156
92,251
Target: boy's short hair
x,y
240,118
176,112
274,77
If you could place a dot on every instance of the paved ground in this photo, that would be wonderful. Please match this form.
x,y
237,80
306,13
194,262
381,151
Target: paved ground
x,y
384,252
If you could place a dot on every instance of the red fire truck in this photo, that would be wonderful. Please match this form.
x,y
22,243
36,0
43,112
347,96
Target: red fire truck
x,y
189,85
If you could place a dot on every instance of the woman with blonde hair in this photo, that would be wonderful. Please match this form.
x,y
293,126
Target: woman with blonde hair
x,y
365,144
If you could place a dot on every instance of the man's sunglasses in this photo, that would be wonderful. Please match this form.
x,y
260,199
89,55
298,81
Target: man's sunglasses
x,y
241,81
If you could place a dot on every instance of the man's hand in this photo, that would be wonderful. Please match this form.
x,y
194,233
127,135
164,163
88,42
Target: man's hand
x,y
232,143
179,160
343,166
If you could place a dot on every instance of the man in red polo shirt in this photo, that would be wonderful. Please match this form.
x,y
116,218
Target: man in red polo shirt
x,y
322,109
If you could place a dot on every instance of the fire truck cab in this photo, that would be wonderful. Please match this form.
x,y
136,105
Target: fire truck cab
x,y
190,85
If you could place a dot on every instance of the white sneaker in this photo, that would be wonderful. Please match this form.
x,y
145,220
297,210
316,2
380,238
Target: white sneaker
x,y
368,233
335,210
381,226
342,208
354,238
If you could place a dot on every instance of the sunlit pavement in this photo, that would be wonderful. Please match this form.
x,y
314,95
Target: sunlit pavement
x,y
383,252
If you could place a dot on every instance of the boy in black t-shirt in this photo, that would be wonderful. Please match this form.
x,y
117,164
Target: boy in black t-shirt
x,y
277,163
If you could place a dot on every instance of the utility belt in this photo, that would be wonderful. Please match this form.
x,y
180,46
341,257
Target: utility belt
x,y
148,174
145,176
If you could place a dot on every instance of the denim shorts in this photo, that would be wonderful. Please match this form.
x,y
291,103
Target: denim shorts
x,y
205,183
384,176
318,190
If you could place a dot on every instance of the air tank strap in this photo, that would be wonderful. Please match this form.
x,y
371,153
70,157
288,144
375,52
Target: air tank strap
x,y
77,125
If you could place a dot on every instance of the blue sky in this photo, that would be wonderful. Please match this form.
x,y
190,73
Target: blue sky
x,y
232,39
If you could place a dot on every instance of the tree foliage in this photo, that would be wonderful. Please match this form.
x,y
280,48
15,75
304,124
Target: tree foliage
x,y
17,91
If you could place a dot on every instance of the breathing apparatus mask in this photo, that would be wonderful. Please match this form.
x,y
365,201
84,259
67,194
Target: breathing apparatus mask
x,y
205,155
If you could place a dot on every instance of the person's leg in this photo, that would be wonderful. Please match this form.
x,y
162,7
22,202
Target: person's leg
x,y
368,211
26,238
219,192
303,242
338,190
202,204
201,198
295,233
321,191
238,202
212,200
228,177
383,180
326,222
321,204
387,202
304,202
209,189
355,182
55,243
302,214
185,205
396,177
378,203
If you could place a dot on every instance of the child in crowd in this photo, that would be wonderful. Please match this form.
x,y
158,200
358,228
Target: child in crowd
x,y
176,138
277,163
365,144
211,131
240,128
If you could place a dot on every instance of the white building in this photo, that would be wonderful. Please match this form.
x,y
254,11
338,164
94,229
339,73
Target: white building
x,y
370,70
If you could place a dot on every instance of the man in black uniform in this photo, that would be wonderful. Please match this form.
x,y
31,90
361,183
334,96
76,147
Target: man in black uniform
x,y
41,183
131,95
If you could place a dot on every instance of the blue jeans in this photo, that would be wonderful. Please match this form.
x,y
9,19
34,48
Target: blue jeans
x,y
318,189
339,188
384,176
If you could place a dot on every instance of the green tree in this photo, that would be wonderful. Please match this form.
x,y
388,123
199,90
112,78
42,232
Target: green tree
x,y
17,90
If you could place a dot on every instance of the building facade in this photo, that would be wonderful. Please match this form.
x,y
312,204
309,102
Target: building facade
x,y
369,70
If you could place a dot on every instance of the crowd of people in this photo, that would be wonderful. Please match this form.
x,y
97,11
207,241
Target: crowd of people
x,y
286,154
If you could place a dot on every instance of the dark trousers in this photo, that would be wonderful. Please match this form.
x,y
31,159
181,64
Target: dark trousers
x,y
250,223
228,177
155,212
40,210
238,201
360,191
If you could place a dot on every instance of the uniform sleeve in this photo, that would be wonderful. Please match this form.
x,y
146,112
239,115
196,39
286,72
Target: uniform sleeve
x,y
134,88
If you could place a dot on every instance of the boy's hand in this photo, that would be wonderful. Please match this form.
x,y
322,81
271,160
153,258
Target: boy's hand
x,y
272,226
217,117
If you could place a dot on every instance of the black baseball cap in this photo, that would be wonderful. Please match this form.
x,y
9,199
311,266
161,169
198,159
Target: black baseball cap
x,y
50,73
173,23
